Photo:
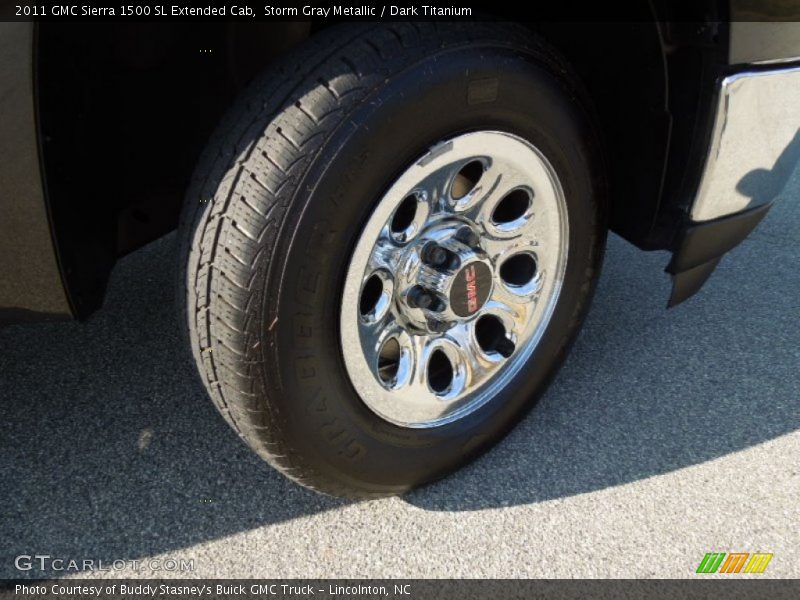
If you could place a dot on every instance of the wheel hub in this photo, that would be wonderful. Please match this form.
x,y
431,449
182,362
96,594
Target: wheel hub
x,y
444,278
470,289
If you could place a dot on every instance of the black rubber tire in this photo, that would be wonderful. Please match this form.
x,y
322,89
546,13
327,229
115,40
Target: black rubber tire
x,y
276,206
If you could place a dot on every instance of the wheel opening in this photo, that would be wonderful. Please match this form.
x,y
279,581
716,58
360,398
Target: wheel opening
x,y
389,361
370,295
489,330
466,179
513,206
518,270
404,214
440,372
491,336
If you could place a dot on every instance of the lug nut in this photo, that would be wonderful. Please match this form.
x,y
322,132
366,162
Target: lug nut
x,y
423,300
438,326
435,256
467,236
439,257
419,297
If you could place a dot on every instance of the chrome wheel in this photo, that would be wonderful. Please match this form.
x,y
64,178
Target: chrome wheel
x,y
454,279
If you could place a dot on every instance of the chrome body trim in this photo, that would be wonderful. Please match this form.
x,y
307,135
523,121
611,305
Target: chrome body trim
x,y
756,138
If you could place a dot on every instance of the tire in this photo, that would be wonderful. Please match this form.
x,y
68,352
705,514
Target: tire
x,y
276,206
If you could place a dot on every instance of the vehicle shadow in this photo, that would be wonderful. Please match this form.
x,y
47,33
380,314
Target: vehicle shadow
x,y
762,185
647,391
110,449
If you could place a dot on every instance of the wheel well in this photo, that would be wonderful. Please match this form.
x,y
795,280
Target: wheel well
x,y
126,109
623,68
124,112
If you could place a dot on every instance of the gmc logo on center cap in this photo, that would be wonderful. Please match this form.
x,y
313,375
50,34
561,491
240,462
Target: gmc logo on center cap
x,y
472,289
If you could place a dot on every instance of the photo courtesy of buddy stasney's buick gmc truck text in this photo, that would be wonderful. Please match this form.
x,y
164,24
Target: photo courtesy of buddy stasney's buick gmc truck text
x,y
389,233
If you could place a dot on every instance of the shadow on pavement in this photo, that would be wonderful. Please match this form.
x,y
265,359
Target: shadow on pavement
x,y
110,449
647,391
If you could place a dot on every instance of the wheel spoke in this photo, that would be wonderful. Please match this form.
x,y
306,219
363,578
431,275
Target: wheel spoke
x,y
374,334
474,362
417,383
513,309
499,183
385,254
499,248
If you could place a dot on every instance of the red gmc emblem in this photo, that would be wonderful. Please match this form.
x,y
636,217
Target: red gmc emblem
x,y
472,289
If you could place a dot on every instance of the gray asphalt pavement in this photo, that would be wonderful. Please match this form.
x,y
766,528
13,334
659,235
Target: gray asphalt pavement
x,y
668,434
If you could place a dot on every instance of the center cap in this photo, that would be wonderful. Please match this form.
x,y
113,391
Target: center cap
x,y
470,289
